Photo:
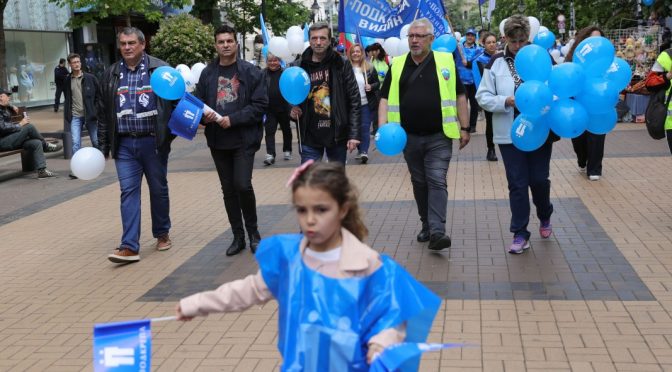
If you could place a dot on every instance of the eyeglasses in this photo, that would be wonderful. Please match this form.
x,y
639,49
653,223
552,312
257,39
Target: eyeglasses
x,y
417,36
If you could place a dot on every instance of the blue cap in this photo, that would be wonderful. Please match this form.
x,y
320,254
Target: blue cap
x,y
471,31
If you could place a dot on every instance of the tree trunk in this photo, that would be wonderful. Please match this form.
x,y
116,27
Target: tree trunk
x,y
3,66
128,19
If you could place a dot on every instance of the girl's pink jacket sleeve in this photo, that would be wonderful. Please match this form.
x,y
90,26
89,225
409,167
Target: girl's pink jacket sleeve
x,y
237,295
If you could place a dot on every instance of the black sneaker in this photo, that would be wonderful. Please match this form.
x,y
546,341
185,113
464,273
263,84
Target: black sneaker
x,y
45,173
364,158
52,147
439,241
72,176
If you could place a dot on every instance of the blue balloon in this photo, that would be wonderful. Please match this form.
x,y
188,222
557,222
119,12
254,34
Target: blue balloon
x,y
390,139
528,134
597,96
533,98
602,123
533,63
545,39
167,83
595,54
648,2
568,118
444,43
294,85
566,80
619,74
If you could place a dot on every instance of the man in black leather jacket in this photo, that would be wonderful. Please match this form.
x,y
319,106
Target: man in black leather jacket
x,y
23,135
133,125
329,118
236,90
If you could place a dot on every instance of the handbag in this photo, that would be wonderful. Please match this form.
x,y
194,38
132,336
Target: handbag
x,y
656,114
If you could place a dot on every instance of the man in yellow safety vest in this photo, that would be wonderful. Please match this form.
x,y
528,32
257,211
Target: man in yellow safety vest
x,y
426,96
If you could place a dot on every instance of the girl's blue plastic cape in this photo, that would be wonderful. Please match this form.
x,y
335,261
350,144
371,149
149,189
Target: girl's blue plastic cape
x,y
326,323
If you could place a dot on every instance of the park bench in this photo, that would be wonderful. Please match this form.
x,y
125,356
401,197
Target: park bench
x,y
27,161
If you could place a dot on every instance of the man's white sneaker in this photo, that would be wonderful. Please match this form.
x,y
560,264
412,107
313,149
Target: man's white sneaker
x,y
594,178
288,155
270,159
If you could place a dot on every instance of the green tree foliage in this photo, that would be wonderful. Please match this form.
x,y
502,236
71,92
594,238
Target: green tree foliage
x,y
455,12
207,11
184,39
607,14
101,9
242,14
281,15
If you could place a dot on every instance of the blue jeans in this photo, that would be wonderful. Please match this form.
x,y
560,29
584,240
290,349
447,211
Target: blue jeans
x,y
138,157
76,131
337,152
365,129
427,158
527,170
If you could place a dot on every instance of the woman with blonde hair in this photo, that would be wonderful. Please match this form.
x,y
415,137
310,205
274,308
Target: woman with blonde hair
x,y
368,83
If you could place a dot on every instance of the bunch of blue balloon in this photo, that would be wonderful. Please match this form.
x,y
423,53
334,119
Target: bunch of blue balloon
x,y
444,43
569,98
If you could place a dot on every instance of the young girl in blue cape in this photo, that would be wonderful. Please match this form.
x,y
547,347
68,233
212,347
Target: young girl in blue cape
x,y
340,302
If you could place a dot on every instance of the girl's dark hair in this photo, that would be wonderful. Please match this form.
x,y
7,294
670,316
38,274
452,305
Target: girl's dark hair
x,y
582,35
377,46
485,35
331,178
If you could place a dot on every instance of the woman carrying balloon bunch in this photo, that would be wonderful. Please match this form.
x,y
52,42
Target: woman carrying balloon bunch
x,y
524,169
589,147
367,81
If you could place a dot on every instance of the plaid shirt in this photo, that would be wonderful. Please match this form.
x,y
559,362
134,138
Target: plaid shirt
x,y
136,86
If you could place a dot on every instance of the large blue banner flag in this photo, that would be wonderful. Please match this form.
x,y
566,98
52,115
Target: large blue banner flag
x,y
379,19
122,346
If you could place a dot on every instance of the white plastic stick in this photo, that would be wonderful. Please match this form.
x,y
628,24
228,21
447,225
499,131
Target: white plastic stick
x,y
163,319
207,109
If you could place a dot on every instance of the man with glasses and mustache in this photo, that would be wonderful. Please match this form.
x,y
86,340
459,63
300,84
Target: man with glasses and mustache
x,y
423,92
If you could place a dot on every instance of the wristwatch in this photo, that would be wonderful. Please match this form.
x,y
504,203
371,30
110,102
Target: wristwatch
x,y
464,129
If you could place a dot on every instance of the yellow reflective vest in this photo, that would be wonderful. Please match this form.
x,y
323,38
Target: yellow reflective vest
x,y
666,62
445,72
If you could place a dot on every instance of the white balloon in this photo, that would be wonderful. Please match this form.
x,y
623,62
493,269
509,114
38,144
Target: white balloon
x,y
294,31
534,27
87,163
391,45
278,46
560,60
403,34
196,70
555,53
543,29
295,44
182,67
189,80
458,36
501,26
565,50
403,47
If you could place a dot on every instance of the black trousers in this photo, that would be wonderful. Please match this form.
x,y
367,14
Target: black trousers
x,y
29,139
669,139
57,98
271,126
473,104
589,149
488,129
234,168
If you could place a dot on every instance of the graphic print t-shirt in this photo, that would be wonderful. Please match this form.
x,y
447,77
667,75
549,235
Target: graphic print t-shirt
x,y
227,103
320,131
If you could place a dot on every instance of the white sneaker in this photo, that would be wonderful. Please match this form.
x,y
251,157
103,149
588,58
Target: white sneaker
x,y
270,159
582,169
594,178
288,155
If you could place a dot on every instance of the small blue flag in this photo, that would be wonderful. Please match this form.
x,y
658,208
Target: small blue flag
x,y
122,346
305,32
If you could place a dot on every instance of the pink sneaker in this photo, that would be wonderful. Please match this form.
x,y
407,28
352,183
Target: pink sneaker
x,y
545,229
519,245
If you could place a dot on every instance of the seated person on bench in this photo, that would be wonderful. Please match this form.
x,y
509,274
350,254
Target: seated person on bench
x,y
23,135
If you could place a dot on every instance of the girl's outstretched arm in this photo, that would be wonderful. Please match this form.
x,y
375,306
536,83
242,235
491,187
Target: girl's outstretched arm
x,y
237,295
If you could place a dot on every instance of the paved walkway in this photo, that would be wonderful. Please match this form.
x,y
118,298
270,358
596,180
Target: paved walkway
x,y
597,296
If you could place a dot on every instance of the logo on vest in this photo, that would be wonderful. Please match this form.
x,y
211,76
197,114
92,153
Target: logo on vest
x,y
445,73
144,99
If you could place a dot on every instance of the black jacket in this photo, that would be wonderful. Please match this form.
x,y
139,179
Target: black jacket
x,y
344,97
252,101
108,136
6,125
90,96
276,102
60,72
